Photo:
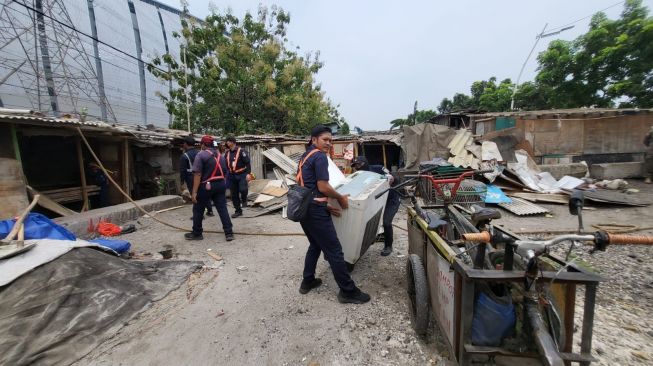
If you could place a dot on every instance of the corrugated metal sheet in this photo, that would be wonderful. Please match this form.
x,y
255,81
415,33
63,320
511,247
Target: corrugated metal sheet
x,y
281,160
458,148
26,118
458,143
522,207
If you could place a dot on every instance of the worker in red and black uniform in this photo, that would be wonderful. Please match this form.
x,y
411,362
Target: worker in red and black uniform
x,y
186,167
318,225
239,167
210,175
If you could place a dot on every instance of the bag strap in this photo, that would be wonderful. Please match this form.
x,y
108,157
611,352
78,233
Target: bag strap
x,y
299,178
190,163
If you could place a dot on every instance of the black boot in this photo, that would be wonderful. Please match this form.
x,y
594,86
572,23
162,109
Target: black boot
x,y
305,287
356,297
387,249
193,236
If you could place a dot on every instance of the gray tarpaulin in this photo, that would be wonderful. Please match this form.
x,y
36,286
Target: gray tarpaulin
x,y
60,311
425,141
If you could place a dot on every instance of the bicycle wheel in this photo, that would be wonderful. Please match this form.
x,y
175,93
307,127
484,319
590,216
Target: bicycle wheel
x,y
418,293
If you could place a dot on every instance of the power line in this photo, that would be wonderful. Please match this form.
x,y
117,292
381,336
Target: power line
x,y
86,35
586,17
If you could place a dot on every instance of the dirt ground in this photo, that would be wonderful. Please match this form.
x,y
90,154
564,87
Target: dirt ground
x,y
246,308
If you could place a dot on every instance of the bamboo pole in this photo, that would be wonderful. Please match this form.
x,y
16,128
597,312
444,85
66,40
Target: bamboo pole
x,y
82,174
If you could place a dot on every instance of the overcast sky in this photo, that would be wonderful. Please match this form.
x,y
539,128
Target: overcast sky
x,y
381,56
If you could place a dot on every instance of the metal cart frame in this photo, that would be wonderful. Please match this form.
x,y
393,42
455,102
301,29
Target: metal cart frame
x,y
451,293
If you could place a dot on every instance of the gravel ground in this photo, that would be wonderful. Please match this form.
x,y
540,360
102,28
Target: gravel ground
x,y
245,309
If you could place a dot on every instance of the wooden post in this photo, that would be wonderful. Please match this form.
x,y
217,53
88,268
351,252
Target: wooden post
x,y
14,139
125,168
82,174
385,160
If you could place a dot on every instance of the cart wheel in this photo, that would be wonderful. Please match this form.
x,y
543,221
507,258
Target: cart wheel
x,y
418,294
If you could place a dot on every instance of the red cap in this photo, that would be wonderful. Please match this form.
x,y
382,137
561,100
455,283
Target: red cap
x,y
207,140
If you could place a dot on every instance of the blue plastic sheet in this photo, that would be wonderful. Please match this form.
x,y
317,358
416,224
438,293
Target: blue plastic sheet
x,y
495,195
117,245
38,226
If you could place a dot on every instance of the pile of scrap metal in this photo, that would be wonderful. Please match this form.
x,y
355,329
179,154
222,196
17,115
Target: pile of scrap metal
x,y
524,182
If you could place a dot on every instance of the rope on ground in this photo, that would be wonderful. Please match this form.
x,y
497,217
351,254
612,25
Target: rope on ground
x,y
151,215
399,227
614,228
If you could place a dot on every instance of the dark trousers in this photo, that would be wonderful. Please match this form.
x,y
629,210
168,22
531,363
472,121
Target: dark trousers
x,y
217,196
322,237
391,208
189,185
238,190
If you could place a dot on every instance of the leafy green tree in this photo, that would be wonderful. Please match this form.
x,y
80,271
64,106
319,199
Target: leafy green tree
x,y
612,62
397,123
344,129
446,106
241,77
419,116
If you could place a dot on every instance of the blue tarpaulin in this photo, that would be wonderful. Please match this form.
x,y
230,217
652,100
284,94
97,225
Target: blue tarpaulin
x,y
38,226
495,195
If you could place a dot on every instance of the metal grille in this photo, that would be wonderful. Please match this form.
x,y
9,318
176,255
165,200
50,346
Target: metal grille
x,y
371,229
470,191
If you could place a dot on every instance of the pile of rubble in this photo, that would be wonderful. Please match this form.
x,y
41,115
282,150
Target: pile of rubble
x,y
517,183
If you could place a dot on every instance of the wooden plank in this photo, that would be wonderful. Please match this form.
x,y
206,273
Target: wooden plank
x,y
545,276
21,219
82,172
385,160
273,201
443,248
47,203
125,169
275,191
12,188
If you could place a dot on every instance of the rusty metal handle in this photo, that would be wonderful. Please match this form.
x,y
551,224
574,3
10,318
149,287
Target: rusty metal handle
x,y
629,239
482,237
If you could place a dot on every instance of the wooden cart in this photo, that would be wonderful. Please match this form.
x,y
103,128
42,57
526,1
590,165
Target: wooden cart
x,y
442,287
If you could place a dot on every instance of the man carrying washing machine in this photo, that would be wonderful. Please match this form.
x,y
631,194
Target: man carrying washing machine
x,y
392,204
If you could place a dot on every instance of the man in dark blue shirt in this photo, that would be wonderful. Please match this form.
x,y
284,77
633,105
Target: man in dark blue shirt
x,y
186,167
209,185
239,167
313,173
392,204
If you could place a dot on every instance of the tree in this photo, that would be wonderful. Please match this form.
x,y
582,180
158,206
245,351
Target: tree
x,y
397,123
344,129
445,106
242,77
419,116
612,62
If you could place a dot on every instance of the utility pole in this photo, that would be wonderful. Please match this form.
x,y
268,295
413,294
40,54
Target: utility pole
x,y
537,40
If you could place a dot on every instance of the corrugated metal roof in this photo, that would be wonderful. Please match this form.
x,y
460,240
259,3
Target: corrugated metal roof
x,y
281,160
522,207
562,112
27,118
